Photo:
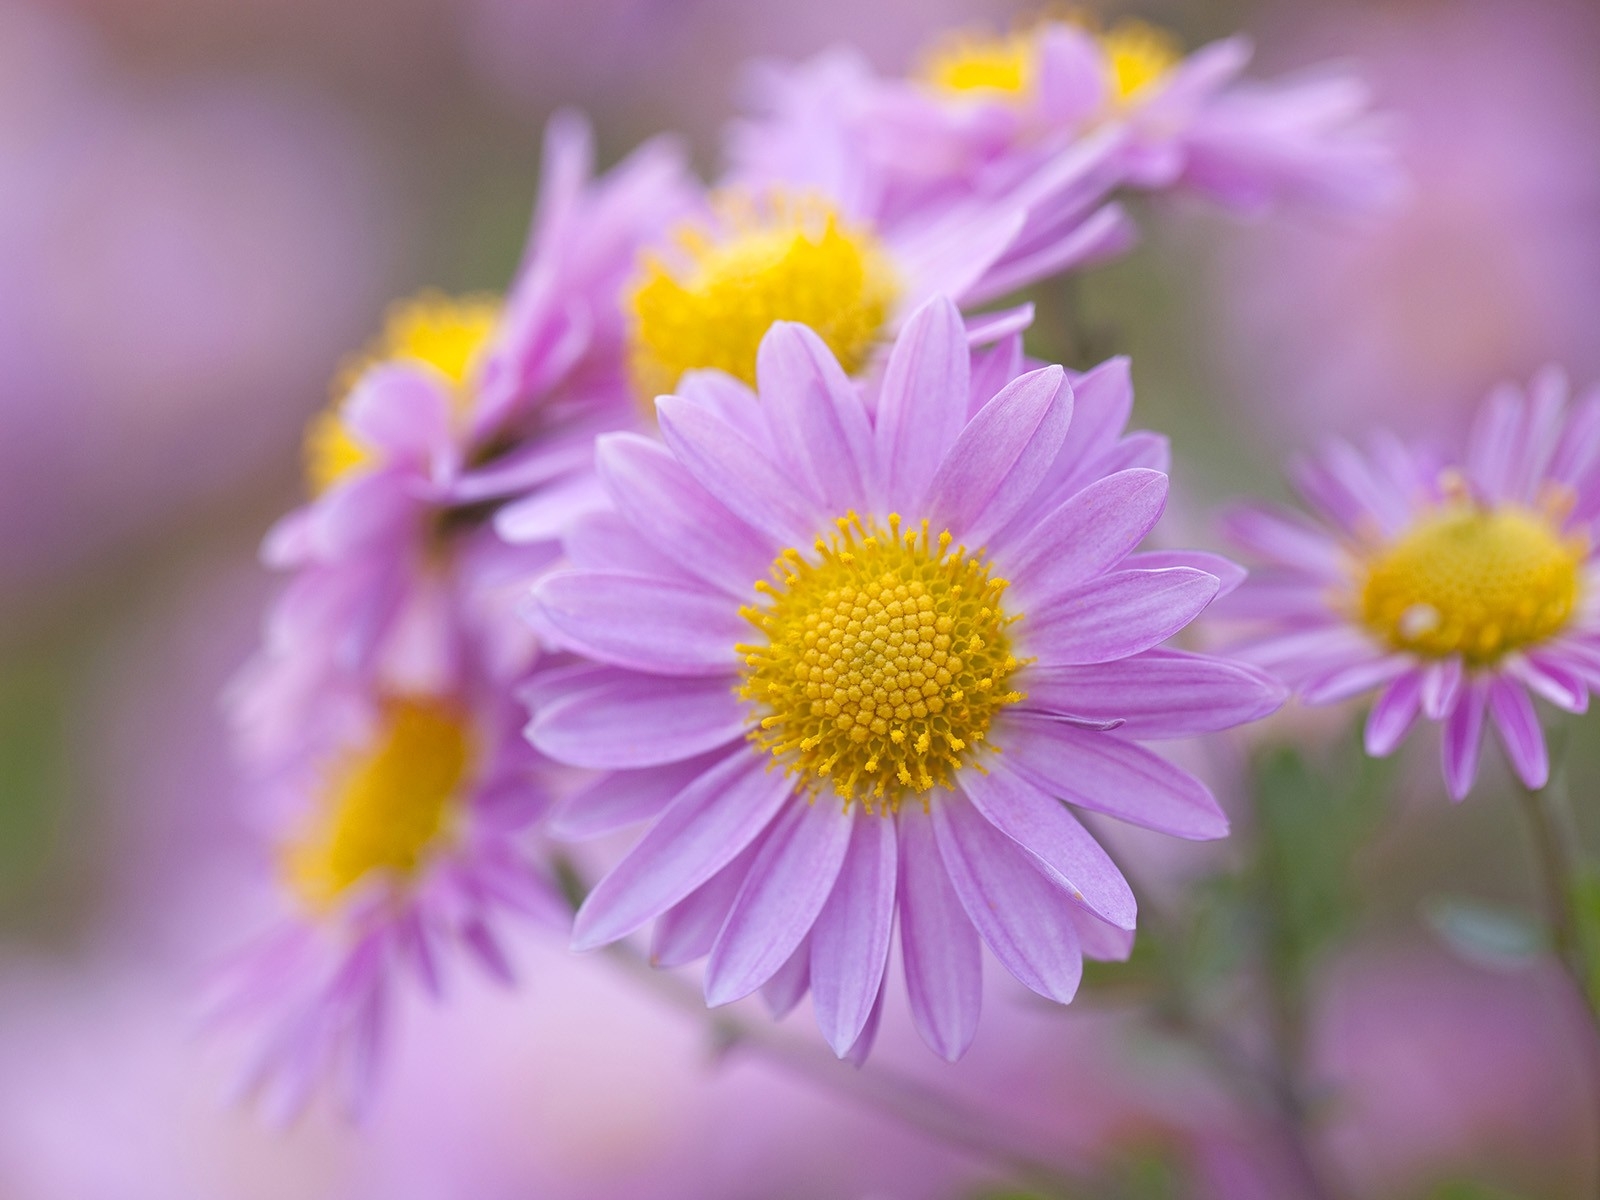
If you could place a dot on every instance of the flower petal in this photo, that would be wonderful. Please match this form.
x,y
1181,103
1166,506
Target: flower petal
x,y
818,418
1441,685
622,798
1022,917
1463,733
1157,694
677,516
943,968
737,472
1518,727
1000,457
1103,773
1393,715
1087,535
785,890
788,984
618,719
1062,848
1285,538
688,930
1116,616
922,405
640,622
701,831
850,942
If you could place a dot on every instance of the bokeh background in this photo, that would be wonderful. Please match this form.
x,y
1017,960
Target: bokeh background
x,y
204,206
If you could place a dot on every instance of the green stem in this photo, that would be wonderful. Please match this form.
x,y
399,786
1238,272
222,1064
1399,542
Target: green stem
x,y
1573,944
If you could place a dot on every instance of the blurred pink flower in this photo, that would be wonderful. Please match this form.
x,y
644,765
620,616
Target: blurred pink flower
x,y
1489,270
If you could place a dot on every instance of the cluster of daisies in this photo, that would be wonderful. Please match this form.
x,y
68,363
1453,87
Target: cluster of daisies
x,y
742,530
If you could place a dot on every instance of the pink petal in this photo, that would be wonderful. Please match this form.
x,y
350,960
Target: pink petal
x,y
850,943
1394,714
1285,538
1115,616
944,973
788,984
1062,848
857,1054
922,404
622,798
622,719
1087,535
1100,941
640,622
1463,732
1001,456
1441,685
1518,726
1156,694
1546,677
1229,573
678,517
689,929
1344,682
1103,773
818,419
1022,917
699,833
784,891
737,472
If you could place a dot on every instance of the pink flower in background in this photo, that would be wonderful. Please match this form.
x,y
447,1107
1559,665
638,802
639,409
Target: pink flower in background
x,y
879,726
982,108
403,832
1456,589
1490,267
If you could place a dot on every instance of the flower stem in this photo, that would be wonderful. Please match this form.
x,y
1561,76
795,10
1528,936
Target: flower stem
x,y
1570,937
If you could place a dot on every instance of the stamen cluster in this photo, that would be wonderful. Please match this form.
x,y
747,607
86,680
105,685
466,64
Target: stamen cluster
x,y
709,301
388,808
1472,581
886,659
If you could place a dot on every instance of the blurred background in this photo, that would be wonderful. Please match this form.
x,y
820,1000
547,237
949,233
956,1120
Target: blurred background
x,y
204,207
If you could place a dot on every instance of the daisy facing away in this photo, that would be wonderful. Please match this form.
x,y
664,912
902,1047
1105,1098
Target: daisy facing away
x,y
1455,590
848,663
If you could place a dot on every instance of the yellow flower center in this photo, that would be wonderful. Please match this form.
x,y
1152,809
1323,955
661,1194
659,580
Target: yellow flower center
x,y
448,334
711,298
966,62
1139,55
1475,582
388,808
886,658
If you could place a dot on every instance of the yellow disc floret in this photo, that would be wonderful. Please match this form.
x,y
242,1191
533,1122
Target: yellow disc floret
x,y
709,300
1138,55
885,658
1473,581
450,335
968,62
388,808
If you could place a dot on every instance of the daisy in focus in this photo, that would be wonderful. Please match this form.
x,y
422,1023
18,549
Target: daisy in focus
x,y
848,662
1456,590
981,106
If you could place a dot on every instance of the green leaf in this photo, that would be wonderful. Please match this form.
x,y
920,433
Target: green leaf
x,y
1487,935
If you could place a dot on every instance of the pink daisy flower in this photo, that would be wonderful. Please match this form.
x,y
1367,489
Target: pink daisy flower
x,y
980,108
463,401
399,830
1455,589
848,662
